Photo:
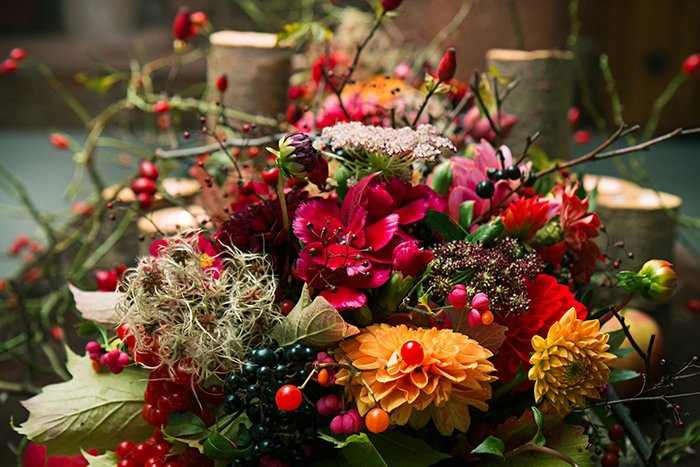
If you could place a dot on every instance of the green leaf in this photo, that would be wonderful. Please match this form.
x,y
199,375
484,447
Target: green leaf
x,y
108,459
616,339
398,448
621,375
87,328
184,424
92,410
490,445
219,447
314,323
487,232
569,440
538,439
357,450
466,214
622,352
444,225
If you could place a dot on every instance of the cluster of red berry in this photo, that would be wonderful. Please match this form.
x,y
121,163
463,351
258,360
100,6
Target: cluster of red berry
x,y
154,452
144,186
115,360
11,64
108,279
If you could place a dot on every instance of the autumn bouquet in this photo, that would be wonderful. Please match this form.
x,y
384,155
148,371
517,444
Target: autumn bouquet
x,y
379,292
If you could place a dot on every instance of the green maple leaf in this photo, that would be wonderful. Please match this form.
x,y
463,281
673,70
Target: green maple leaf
x,y
92,410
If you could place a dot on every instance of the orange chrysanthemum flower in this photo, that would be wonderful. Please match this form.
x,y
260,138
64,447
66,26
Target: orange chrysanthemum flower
x,y
454,374
571,363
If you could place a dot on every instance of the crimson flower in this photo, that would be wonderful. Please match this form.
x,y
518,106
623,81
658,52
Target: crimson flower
x,y
549,301
343,249
526,216
259,228
209,258
408,259
578,226
409,202
35,456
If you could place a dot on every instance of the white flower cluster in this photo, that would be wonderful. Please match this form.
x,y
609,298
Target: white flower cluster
x,y
425,142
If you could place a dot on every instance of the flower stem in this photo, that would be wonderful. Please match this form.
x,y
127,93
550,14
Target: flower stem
x,y
520,376
283,205
425,102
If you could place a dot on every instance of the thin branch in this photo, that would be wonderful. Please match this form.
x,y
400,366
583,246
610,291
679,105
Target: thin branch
x,y
208,148
425,102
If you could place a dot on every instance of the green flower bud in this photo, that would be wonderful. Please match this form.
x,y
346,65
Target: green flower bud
x,y
660,280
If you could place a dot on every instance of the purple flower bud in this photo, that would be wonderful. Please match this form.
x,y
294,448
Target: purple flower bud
x,y
331,404
298,158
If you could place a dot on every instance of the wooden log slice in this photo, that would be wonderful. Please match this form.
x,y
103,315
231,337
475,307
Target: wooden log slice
x,y
256,69
541,98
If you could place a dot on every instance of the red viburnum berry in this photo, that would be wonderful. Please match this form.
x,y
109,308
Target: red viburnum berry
x,y
221,83
286,307
389,5
161,107
59,141
271,176
582,137
17,54
8,66
143,185
247,188
182,25
448,66
145,200
573,115
148,169
412,353
691,65
199,18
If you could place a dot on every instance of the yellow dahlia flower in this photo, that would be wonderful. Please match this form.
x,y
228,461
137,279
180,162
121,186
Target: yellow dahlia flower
x,y
453,375
571,363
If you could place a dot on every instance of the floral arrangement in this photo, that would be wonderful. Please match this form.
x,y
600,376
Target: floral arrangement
x,y
379,292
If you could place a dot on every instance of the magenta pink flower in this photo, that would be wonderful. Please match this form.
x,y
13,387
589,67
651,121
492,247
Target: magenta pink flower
x,y
343,250
467,173
409,260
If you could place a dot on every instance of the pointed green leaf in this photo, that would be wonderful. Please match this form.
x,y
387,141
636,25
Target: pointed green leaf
x,y
487,232
621,375
490,445
538,439
184,424
398,448
466,214
444,225
357,450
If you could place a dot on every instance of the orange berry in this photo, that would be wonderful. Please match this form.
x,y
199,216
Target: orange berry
x,y
96,366
323,377
377,420
487,317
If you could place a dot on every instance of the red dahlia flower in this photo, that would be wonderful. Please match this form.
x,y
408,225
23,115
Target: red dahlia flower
x,y
343,251
526,216
578,226
549,301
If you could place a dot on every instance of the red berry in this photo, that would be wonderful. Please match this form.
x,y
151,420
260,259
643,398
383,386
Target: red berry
x,y
693,305
271,176
247,189
17,54
221,83
246,128
612,447
182,25
253,151
143,185
389,5
412,353
8,66
127,463
58,141
145,201
616,432
148,169
286,307
161,448
610,460
124,448
288,397
691,65
180,400
213,395
582,137
142,452
236,152
106,280
153,462
448,66
573,115
161,107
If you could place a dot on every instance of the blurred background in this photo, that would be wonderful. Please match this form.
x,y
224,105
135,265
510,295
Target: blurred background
x,y
646,42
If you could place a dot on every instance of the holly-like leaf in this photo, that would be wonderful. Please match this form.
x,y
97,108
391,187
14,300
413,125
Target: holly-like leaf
x,y
568,440
314,323
444,225
621,375
357,450
398,448
92,410
490,445
108,459
98,307
184,424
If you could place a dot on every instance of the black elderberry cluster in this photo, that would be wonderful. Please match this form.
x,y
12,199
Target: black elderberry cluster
x,y
276,434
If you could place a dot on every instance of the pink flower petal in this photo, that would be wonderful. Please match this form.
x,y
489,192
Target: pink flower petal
x,y
412,212
345,297
380,233
318,213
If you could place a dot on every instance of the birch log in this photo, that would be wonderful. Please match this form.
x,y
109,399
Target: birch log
x,y
256,69
541,98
